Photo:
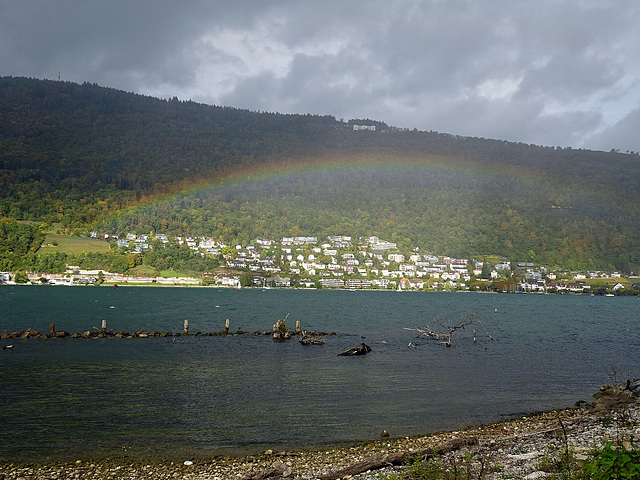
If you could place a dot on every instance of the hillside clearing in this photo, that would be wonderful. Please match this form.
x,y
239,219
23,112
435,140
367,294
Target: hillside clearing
x,y
55,243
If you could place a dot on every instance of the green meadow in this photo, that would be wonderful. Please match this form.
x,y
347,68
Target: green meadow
x,y
56,243
607,282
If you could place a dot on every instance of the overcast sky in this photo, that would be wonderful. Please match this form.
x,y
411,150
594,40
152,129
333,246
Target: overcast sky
x,y
564,72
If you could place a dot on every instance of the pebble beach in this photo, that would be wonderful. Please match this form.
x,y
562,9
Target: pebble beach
x,y
519,448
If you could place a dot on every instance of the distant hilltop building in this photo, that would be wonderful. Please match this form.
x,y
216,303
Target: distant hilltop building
x,y
360,124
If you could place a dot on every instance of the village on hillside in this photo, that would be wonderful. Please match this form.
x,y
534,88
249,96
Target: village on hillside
x,y
339,262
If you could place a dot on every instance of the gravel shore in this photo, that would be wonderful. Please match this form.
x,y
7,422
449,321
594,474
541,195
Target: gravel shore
x,y
521,448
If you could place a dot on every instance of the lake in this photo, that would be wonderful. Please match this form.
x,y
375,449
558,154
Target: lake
x,y
199,396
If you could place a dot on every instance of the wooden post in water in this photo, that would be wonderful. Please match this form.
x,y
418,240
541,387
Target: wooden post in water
x,y
227,324
52,328
186,327
104,326
297,326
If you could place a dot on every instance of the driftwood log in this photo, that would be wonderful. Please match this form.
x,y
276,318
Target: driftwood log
x,y
310,338
361,349
278,471
372,463
384,460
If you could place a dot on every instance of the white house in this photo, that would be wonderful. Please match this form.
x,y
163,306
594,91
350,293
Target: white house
x,y
228,281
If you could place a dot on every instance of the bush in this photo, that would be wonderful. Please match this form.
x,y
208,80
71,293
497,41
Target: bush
x,y
614,461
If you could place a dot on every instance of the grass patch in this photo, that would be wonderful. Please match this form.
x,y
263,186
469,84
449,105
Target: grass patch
x,y
172,273
494,259
52,228
606,282
55,243
144,270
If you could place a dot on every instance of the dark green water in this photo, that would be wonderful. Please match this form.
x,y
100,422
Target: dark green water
x,y
182,397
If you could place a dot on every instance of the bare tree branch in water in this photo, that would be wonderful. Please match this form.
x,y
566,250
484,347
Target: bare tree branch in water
x,y
444,335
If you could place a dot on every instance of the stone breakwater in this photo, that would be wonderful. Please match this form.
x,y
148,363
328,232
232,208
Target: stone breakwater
x,y
102,333
520,448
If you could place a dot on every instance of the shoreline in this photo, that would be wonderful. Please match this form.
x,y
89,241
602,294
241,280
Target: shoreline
x,y
512,448
325,289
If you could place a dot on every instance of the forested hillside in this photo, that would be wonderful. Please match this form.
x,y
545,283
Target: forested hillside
x,y
96,158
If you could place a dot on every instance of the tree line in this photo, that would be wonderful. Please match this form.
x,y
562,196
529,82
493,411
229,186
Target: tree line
x,y
88,157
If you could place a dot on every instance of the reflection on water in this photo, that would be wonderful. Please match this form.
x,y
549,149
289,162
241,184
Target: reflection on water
x,y
200,396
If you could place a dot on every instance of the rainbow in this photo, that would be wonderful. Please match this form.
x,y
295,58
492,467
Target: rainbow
x,y
377,162
334,163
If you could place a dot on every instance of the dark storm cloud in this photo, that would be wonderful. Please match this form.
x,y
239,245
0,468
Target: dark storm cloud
x,y
548,72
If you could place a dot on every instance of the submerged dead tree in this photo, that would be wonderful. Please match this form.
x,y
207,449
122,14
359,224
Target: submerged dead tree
x,y
280,330
444,335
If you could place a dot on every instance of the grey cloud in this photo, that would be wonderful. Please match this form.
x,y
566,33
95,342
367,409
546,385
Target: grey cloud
x,y
543,72
622,136
129,42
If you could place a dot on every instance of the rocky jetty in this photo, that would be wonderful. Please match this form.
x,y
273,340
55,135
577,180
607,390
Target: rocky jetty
x,y
102,333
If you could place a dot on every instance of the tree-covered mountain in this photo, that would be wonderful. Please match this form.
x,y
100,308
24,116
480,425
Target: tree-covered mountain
x,y
96,158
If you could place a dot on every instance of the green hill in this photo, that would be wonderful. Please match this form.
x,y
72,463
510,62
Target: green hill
x,y
90,157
